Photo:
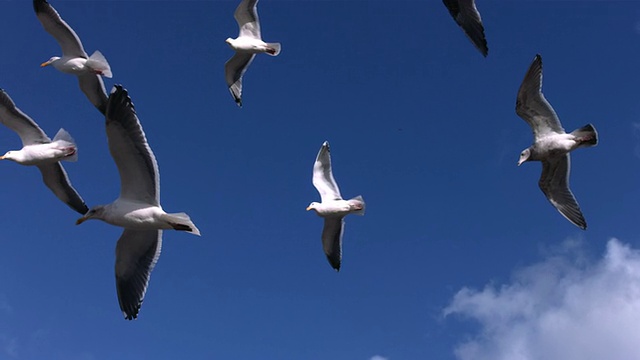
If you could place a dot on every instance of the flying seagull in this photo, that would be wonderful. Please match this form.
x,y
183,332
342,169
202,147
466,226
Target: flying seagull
x,y
138,208
466,15
332,208
246,45
39,150
74,59
551,144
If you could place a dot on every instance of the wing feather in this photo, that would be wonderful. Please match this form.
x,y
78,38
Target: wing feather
x,y
57,180
137,253
332,240
234,69
532,106
246,15
139,180
13,118
59,29
554,183
323,176
93,88
467,16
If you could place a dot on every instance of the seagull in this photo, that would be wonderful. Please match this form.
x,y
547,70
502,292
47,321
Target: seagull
x,y
332,208
138,208
466,15
551,144
74,59
246,45
39,150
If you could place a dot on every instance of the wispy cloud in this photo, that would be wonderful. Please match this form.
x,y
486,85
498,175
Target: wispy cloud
x,y
561,308
378,357
5,307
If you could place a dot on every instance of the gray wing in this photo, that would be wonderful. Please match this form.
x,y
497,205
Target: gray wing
x,y
532,106
93,88
332,240
234,69
323,176
137,252
57,180
466,15
13,118
246,15
128,145
59,29
554,183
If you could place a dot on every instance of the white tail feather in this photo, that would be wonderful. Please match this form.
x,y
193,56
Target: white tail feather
x,y
276,47
64,139
99,63
358,202
182,222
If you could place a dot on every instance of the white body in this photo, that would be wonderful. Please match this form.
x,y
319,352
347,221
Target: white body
x,y
42,153
249,45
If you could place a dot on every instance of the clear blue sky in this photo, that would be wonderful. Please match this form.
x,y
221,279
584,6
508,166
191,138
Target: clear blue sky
x,y
457,241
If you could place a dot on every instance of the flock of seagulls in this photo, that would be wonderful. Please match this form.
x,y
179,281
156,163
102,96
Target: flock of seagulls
x,y
137,209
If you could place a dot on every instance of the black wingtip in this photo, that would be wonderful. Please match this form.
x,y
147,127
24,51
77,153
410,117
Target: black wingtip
x,y
130,316
335,264
39,5
538,59
118,99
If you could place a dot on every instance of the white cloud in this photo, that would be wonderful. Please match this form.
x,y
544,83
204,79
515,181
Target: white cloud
x,y
561,308
378,357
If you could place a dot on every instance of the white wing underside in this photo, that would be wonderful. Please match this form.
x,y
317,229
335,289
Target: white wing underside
x,y
234,69
332,240
323,177
137,252
246,15
554,183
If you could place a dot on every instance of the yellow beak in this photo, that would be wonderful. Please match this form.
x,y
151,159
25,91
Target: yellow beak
x,y
81,220
308,208
45,64
1,157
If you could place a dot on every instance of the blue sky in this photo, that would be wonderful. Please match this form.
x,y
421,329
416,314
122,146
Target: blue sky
x,y
459,256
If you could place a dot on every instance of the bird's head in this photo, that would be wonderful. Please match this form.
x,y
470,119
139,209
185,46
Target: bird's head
x,y
95,212
7,156
50,61
524,156
313,206
13,155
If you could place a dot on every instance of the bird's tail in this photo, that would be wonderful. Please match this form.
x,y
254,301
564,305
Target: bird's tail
x,y
98,63
182,222
274,49
357,205
586,136
64,139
